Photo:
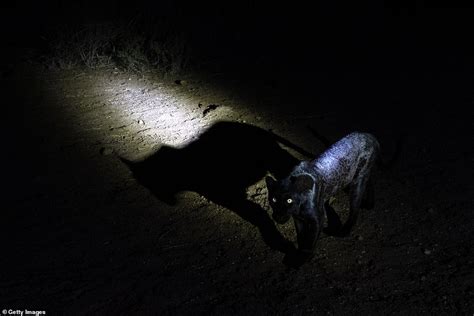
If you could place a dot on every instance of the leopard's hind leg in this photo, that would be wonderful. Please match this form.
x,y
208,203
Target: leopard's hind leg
x,y
358,190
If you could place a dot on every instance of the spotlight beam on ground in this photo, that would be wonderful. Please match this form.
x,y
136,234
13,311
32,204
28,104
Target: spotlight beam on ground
x,y
139,110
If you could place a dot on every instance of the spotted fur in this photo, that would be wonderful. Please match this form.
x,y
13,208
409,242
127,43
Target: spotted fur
x,y
304,194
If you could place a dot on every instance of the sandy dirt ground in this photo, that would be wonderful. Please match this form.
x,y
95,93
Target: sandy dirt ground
x,y
80,234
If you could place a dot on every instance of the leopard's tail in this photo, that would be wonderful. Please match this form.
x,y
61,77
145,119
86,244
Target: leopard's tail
x,y
293,146
326,142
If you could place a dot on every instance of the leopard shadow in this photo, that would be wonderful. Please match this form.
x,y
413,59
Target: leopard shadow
x,y
220,165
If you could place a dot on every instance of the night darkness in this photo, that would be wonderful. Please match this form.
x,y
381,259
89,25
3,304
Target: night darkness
x,y
136,139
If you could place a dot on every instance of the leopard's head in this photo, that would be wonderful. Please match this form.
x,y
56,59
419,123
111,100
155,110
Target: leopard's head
x,y
290,196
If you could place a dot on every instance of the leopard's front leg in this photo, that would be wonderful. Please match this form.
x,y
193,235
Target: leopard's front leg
x,y
307,232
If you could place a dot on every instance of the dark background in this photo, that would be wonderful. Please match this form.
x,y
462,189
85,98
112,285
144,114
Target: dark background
x,y
388,37
389,42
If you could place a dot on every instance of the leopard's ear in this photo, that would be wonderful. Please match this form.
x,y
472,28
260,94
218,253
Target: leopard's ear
x,y
303,183
271,183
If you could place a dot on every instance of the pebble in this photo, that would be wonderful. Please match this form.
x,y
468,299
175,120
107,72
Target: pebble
x,y
141,122
181,82
105,151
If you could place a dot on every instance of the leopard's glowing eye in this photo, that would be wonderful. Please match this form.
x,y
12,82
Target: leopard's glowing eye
x,y
274,200
289,201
